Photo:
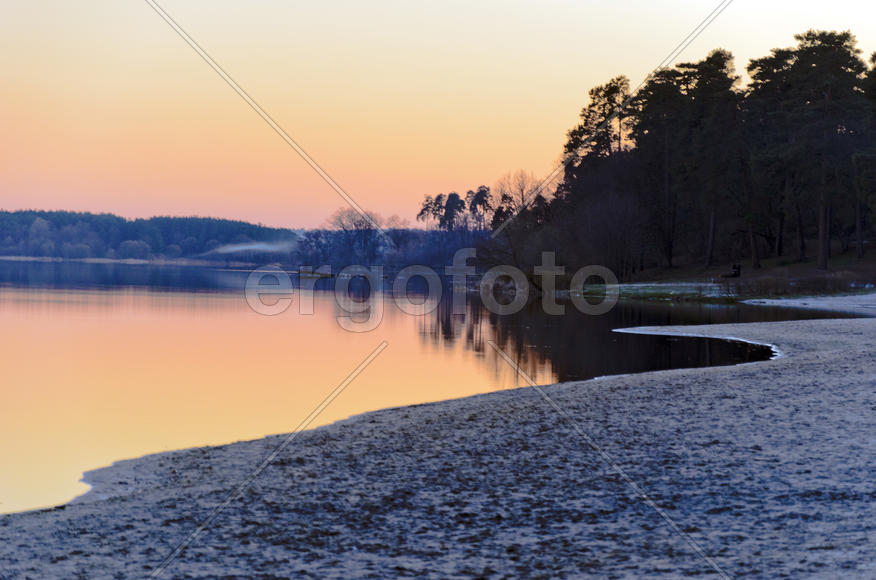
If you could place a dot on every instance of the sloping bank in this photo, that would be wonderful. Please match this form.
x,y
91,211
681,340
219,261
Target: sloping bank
x,y
769,467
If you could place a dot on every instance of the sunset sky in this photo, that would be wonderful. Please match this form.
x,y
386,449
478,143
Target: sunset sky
x,y
105,108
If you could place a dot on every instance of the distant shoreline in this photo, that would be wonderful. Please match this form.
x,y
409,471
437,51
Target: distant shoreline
x,y
127,261
683,289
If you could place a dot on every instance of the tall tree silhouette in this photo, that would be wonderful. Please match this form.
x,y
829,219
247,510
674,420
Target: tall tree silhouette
x,y
712,119
697,169
826,80
659,126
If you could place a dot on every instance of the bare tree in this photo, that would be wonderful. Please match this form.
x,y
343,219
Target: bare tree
x,y
347,219
360,235
517,189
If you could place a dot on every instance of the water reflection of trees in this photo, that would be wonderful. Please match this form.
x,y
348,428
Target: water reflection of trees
x,y
576,346
83,275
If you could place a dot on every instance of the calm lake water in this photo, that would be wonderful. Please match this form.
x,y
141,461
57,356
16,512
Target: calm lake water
x,y
110,362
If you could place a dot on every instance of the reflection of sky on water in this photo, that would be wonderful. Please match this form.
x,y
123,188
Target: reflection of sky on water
x,y
91,376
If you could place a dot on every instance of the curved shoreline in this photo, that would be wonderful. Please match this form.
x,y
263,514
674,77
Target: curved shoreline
x,y
668,331
100,483
769,466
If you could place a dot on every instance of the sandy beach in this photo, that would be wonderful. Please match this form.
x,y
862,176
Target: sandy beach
x,y
769,467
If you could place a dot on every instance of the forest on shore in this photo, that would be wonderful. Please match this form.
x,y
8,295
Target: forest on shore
x,y
77,235
346,238
693,168
690,168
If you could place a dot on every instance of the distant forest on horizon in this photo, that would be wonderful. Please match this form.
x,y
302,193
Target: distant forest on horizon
x,y
692,169
346,239
76,235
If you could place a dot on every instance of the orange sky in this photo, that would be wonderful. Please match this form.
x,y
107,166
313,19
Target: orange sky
x,y
105,108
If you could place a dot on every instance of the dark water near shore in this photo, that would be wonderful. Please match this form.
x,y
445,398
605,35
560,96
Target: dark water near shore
x,y
109,361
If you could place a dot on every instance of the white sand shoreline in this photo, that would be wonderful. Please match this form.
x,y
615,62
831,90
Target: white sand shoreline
x,y
497,485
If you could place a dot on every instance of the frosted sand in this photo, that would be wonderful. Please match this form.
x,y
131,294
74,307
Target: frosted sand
x,y
770,467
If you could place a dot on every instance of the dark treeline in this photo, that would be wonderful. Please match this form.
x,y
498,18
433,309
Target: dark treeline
x,y
346,239
64,234
696,170
349,238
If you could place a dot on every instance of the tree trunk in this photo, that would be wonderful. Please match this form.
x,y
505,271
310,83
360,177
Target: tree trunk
x,y
669,242
780,236
859,211
752,240
823,216
828,228
823,234
801,234
620,133
749,184
710,241
823,240
780,239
